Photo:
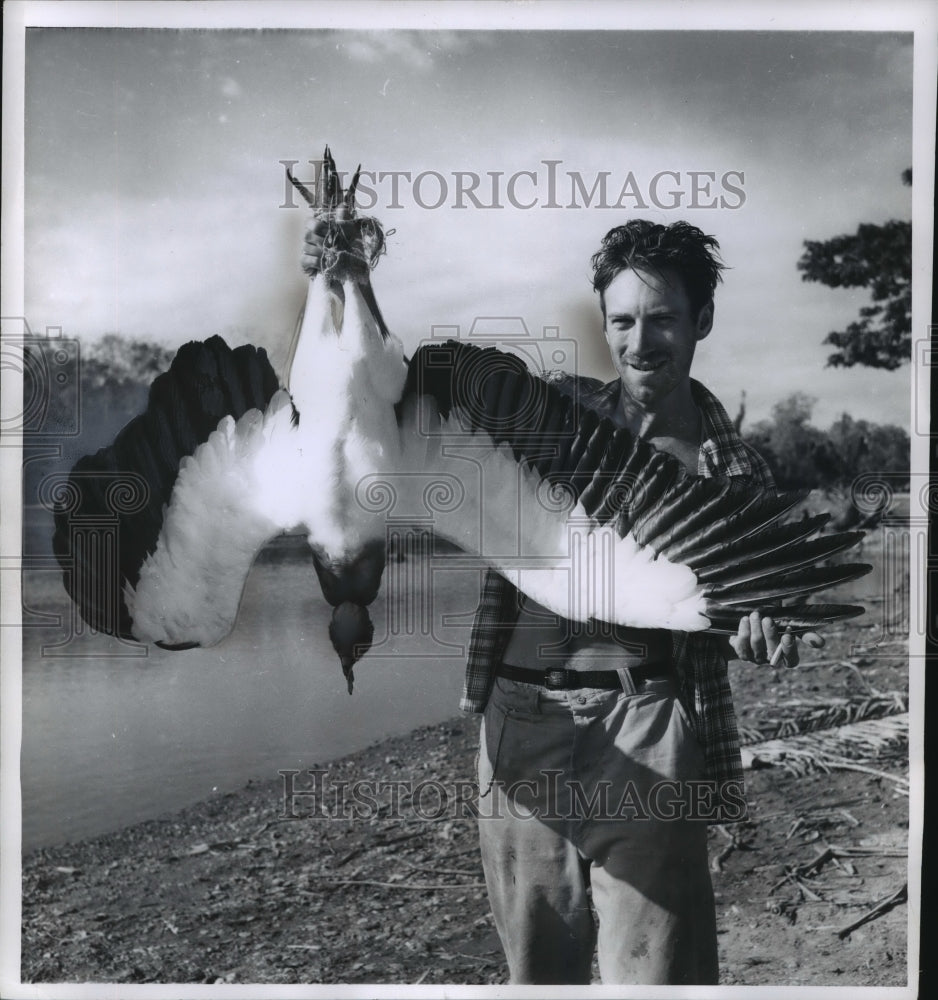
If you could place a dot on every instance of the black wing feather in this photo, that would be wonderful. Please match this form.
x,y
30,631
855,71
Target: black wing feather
x,y
798,618
205,382
785,585
761,565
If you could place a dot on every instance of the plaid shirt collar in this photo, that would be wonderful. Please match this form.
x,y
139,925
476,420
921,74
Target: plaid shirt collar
x,y
721,451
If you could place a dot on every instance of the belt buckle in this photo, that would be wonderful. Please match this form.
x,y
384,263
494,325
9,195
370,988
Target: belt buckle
x,y
555,679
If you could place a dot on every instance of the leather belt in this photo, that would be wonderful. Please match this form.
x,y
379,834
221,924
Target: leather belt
x,y
561,679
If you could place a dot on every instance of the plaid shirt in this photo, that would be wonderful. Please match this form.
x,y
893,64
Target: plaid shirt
x,y
700,664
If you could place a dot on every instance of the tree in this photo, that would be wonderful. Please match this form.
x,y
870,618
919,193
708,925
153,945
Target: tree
x,y
797,452
114,360
878,258
802,455
862,447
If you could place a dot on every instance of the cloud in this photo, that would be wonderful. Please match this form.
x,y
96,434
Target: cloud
x,y
415,49
168,270
380,48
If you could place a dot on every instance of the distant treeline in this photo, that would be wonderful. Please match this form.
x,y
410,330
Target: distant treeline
x,y
802,455
77,408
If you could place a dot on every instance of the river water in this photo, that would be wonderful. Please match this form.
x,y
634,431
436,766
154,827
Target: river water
x,y
111,738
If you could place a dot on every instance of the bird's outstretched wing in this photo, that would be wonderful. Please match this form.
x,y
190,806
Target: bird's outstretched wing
x,y
581,515
633,538
174,570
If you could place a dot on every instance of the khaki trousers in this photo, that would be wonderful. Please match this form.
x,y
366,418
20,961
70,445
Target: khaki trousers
x,y
588,792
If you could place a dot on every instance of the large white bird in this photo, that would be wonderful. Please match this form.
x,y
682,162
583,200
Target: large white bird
x,y
582,516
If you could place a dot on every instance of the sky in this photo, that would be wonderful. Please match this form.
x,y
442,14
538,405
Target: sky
x,y
155,193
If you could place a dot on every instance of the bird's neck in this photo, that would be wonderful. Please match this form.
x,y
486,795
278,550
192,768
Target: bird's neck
x,y
317,331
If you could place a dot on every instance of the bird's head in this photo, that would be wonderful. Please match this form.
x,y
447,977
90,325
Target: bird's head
x,y
351,631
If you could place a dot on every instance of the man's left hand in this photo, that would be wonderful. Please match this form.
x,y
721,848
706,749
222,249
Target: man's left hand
x,y
758,638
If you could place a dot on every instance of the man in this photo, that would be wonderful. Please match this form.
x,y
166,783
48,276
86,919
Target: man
x,y
599,745
572,771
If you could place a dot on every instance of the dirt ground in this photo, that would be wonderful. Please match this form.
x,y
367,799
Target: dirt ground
x,y
231,891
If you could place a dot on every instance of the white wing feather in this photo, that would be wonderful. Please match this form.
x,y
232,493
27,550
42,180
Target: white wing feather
x,y
552,551
224,507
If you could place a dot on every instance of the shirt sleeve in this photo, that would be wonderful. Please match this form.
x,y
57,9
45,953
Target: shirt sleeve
x,y
494,622
761,473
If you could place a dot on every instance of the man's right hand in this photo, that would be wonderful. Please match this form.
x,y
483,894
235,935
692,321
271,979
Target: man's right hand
x,y
313,245
331,244
758,638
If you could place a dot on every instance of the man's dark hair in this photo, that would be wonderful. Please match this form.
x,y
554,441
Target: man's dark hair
x,y
648,246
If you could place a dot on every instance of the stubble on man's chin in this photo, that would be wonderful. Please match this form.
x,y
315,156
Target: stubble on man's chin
x,y
647,397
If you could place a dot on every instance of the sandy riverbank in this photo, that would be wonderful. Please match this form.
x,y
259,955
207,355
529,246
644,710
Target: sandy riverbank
x,y
230,891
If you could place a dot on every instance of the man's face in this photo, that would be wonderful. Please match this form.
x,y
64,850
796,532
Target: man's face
x,y
652,333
